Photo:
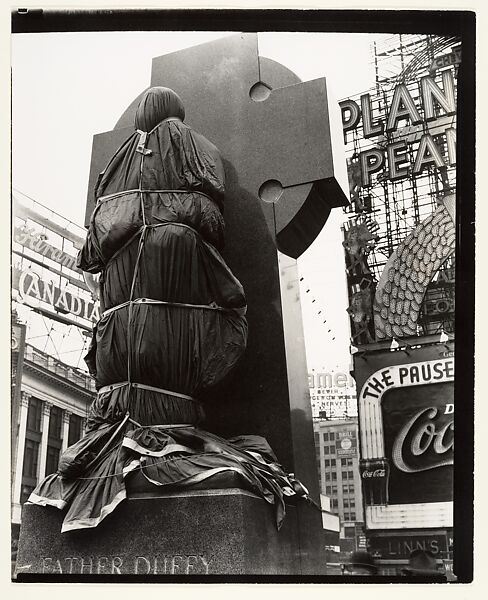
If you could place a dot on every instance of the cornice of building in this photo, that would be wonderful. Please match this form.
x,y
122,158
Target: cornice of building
x,y
58,381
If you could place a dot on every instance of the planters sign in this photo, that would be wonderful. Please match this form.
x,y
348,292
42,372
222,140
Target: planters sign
x,y
407,150
406,423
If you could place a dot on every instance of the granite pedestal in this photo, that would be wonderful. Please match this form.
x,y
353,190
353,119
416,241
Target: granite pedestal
x,y
187,533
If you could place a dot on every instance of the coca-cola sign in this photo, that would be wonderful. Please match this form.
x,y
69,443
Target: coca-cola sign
x,y
418,425
406,422
375,475
426,441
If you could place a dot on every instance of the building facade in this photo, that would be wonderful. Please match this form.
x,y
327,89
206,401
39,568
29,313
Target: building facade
x,y
49,409
336,447
52,315
399,247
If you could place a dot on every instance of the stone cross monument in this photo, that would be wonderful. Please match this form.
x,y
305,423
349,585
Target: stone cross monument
x,y
281,142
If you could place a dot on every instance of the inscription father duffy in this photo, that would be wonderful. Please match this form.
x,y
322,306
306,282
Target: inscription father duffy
x,y
166,564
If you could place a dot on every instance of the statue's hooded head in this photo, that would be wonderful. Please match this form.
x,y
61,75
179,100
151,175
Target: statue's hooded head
x,y
157,104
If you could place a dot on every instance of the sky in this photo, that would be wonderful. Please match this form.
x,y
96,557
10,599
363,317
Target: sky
x,y
66,87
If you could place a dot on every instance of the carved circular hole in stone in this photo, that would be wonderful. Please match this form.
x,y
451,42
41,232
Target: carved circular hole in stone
x,y
270,191
259,92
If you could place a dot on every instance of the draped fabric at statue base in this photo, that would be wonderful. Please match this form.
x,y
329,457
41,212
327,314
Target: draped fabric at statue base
x,y
167,457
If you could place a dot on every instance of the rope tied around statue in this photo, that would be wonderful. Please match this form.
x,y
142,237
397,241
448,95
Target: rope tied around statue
x,y
157,275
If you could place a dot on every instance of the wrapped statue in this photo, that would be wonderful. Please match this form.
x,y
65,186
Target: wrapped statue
x,y
172,324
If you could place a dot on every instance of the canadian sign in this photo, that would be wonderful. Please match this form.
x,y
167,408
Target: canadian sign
x,y
31,286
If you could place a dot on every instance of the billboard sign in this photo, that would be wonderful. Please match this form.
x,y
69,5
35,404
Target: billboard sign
x,y
36,290
418,426
400,546
333,395
346,443
406,423
429,104
36,242
447,60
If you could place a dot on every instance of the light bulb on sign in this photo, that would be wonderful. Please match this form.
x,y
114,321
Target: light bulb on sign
x,y
394,345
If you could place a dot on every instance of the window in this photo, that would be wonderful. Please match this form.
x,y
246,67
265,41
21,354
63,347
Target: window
x,y
333,503
352,503
334,489
332,449
345,502
327,477
54,440
332,462
31,457
350,474
349,532
353,516
55,423
346,516
344,474
351,488
345,488
316,438
34,415
334,476
343,461
31,447
52,460
326,449
332,436
327,462
75,429
25,492
326,437
328,490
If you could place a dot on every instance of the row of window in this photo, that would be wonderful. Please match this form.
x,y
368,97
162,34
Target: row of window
x,y
349,516
331,462
34,419
345,475
329,436
347,488
54,443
